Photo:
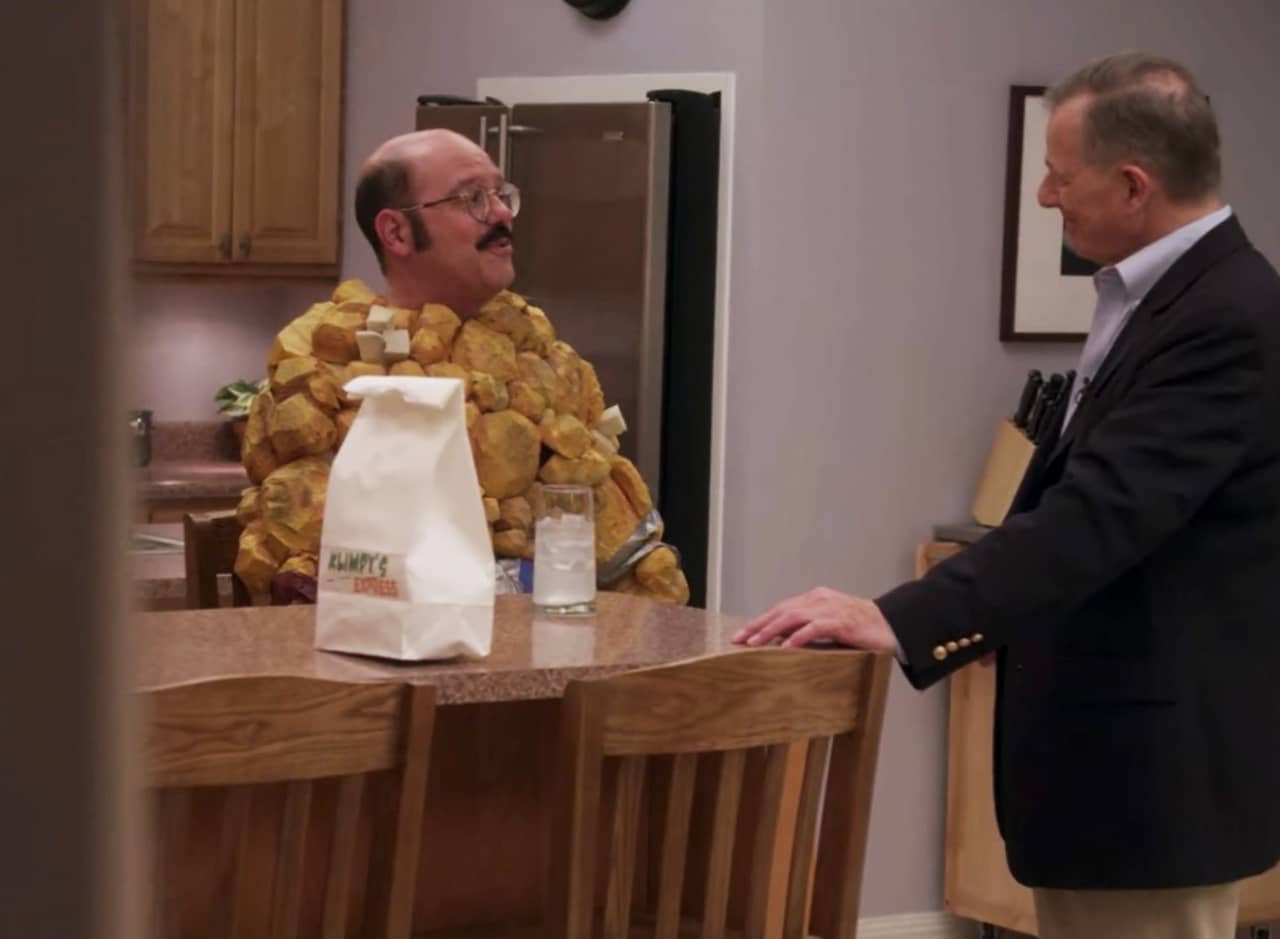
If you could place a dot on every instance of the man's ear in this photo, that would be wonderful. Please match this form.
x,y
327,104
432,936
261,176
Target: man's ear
x,y
393,231
1139,184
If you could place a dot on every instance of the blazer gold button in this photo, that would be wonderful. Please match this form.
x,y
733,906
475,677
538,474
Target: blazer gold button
x,y
977,637
953,646
964,643
939,653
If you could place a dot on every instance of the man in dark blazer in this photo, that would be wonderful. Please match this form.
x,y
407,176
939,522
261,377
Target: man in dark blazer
x,y
1132,597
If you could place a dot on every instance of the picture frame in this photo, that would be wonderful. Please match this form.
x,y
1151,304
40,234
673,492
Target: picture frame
x,y
1047,292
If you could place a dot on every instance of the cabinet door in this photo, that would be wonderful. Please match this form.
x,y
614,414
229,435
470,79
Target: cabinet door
x,y
183,84
288,110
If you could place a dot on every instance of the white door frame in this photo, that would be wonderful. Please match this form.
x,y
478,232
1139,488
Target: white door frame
x,y
610,88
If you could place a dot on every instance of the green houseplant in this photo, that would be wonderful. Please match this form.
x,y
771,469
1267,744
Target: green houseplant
x,y
234,400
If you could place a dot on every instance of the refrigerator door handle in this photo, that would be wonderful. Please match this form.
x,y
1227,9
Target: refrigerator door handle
x,y
503,132
504,122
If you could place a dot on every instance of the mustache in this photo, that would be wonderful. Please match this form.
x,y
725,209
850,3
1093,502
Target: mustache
x,y
493,234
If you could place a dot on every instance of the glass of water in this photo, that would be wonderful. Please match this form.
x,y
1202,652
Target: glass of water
x,y
564,551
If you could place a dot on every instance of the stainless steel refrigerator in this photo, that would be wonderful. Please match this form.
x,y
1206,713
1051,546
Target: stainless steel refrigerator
x,y
616,240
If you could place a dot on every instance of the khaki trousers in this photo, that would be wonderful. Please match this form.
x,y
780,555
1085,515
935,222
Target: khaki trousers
x,y
1184,913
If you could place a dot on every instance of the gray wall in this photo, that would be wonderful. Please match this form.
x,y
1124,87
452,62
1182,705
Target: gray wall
x,y
187,338
865,375
877,299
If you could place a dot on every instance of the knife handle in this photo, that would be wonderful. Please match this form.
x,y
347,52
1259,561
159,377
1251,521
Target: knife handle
x,y
1064,401
1045,419
1037,418
1051,417
1029,391
1048,395
1034,412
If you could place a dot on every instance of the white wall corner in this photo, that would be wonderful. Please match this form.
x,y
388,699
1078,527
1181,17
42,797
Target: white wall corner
x,y
917,926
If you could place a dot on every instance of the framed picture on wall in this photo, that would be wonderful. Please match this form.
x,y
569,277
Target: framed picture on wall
x,y
1046,294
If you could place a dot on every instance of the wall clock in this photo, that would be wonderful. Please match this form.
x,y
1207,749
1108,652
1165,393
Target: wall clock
x,y
598,9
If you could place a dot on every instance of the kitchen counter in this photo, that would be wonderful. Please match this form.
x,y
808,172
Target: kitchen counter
x,y
532,657
194,467
494,770
182,480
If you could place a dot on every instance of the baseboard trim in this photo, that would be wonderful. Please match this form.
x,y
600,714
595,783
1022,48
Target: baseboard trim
x,y
916,926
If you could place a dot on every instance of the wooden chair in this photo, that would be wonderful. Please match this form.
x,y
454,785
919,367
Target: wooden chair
x,y
746,713
257,777
210,543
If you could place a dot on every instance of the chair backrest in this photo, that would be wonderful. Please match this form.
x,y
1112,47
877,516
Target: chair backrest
x,y
210,543
769,737
261,813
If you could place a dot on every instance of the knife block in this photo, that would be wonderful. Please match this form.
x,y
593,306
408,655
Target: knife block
x,y
1007,463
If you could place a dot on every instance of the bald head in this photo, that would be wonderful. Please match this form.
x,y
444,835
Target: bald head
x,y
430,205
390,175
420,148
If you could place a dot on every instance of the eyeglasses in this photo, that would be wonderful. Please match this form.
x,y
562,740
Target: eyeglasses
x,y
475,199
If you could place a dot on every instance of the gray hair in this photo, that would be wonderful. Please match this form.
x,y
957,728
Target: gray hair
x,y
1149,110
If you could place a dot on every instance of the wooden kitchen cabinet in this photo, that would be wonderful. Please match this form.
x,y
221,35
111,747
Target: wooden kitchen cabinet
x,y
235,135
977,883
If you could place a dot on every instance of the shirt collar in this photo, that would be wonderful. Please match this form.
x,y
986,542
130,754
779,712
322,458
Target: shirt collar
x,y
1140,270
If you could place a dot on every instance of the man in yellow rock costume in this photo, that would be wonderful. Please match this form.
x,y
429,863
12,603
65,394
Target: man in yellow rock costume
x,y
439,217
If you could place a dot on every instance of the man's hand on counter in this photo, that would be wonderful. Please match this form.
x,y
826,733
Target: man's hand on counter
x,y
822,615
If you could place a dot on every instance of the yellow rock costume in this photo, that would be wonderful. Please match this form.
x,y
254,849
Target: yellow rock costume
x,y
535,414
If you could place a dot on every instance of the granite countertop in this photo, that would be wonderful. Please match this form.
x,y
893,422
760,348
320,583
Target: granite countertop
x,y
192,460
532,657
191,479
159,580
